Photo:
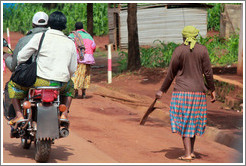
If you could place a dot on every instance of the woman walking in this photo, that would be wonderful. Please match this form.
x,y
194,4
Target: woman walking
x,y
85,48
188,108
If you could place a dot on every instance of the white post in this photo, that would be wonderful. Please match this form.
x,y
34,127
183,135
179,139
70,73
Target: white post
x,y
109,64
8,38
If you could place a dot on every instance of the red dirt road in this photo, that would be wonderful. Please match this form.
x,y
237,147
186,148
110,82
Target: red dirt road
x,y
106,131
105,128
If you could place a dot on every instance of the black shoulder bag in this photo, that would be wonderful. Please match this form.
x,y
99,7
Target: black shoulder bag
x,y
25,73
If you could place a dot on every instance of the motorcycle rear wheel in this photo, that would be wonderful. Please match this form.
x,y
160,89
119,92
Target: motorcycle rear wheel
x,y
42,151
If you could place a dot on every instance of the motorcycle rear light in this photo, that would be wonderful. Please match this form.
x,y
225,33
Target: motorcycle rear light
x,y
26,105
37,93
62,107
48,95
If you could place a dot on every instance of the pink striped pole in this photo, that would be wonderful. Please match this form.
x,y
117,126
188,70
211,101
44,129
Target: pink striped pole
x,y
109,64
8,38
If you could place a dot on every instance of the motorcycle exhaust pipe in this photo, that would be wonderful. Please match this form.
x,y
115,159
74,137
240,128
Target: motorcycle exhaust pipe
x,y
64,132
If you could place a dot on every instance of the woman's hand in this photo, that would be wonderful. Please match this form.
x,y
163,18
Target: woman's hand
x,y
213,97
158,94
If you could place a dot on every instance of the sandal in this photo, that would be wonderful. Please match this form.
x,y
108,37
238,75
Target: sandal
x,y
83,95
13,121
63,117
185,158
76,94
192,155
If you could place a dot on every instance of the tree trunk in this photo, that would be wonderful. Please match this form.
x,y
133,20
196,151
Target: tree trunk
x,y
133,43
90,18
50,5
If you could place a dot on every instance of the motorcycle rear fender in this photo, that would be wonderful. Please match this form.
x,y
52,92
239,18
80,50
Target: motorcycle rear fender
x,y
47,122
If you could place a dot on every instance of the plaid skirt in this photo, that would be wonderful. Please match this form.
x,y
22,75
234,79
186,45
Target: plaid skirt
x,y
188,113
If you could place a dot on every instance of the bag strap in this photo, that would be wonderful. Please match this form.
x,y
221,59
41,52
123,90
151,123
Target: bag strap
x,y
39,46
77,35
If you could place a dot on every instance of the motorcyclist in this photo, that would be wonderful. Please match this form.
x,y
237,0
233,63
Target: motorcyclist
x,y
39,24
56,63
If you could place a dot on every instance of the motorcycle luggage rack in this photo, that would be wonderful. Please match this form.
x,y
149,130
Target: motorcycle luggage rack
x,y
47,87
31,92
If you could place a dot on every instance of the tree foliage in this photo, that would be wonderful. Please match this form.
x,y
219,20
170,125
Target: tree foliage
x,y
19,16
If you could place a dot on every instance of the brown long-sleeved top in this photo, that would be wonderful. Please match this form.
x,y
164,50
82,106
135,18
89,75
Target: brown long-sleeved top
x,y
189,68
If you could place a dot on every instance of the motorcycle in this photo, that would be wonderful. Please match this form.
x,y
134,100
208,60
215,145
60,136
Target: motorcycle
x,y
41,124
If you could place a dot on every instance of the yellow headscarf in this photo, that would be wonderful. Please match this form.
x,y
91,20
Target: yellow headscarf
x,y
190,33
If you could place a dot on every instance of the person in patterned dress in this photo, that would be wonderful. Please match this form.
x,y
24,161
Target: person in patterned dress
x,y
82,75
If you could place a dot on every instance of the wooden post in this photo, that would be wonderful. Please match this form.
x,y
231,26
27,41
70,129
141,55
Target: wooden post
x,y
8,38
109,64
240,47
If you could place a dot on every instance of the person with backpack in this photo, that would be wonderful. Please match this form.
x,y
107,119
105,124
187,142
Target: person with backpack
x,y
39,25
86,46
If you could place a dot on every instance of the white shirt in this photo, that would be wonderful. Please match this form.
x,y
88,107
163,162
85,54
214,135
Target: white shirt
x,y
57,59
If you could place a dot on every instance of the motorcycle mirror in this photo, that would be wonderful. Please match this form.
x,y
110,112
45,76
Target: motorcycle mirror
x,y
5,43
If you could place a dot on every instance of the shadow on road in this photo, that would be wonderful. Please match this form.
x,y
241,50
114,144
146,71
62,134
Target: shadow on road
x,y
16,150
174,153
60,153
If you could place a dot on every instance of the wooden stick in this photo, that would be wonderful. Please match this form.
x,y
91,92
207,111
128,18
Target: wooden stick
x,y
150,109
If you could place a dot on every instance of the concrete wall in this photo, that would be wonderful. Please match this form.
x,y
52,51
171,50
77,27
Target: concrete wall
x,y
230,20
240,47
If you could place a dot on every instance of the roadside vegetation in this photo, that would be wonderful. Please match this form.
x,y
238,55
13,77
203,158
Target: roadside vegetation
x,y
19,17
221,51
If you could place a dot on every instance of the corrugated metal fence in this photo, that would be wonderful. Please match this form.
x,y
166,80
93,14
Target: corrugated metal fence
x,y
164,24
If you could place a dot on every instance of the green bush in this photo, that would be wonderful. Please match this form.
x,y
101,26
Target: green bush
x,y
19,17
221,52
213,17
155,56
122,61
